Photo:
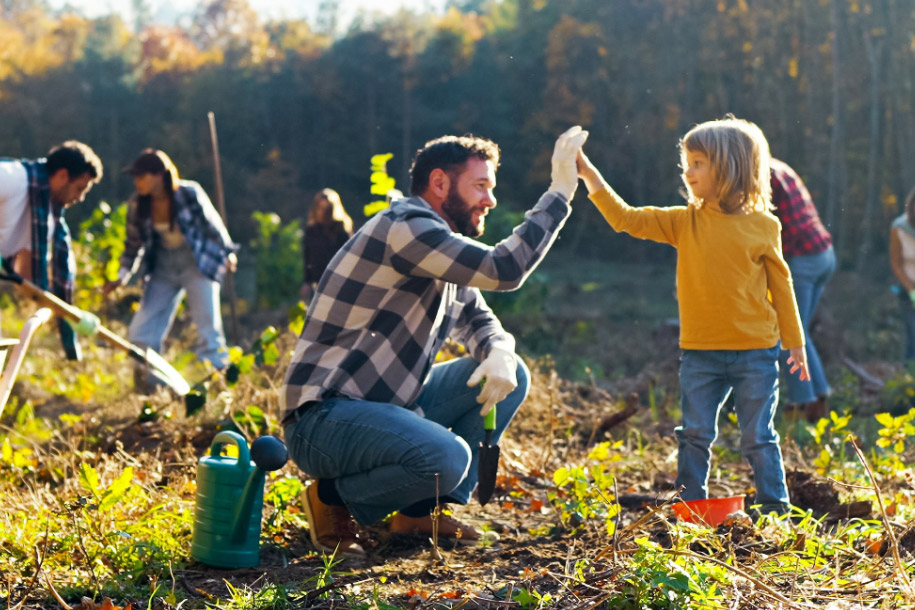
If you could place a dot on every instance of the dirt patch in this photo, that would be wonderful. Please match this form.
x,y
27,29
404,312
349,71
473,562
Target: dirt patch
x,y
906,540
808,492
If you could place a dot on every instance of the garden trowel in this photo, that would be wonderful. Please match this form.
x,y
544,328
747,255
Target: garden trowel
x,y
488,465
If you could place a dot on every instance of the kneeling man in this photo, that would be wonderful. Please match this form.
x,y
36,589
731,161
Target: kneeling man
x,y
367,412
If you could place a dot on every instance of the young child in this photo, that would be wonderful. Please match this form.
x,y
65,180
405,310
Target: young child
x,y
735,298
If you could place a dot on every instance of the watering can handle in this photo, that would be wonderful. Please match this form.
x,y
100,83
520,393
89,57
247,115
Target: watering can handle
x,y
228,437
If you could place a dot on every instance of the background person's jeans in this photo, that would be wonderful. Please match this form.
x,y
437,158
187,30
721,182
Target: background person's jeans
x,y
810,273
175,275
707,377
385,457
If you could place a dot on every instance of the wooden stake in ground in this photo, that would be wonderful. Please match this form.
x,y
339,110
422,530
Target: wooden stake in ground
x,y
221,202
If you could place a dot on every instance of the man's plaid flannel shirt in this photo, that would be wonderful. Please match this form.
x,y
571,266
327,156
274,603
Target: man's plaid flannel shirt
x,y
59,254
397,289
802,231
198,221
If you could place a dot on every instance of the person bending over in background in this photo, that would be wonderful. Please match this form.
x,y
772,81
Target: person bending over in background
x,y
729,258
367,412
807,248
902,260
179,239
326,230
34,194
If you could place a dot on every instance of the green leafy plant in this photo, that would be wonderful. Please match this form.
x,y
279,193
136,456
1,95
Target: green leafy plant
x,y
282,493
829,436
531,599
656,578
585,492
899,392
382,183
896,431
254,421
100,244
277,250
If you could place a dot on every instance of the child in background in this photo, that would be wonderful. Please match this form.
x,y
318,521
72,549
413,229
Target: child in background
x,y
735,298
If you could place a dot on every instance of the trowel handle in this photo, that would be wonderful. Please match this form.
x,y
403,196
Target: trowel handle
x,y
227,437
489,420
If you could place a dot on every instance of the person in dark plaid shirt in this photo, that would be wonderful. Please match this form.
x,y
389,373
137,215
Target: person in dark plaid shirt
x,y
34,236
178,237
807,247
367,412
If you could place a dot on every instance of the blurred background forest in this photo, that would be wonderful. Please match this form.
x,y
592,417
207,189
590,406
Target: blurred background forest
x,y
303,104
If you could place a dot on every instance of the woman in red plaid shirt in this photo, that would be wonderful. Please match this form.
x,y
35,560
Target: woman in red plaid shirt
x,y
807,248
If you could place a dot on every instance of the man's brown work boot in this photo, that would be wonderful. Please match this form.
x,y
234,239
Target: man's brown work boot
x,y
448,527
332,528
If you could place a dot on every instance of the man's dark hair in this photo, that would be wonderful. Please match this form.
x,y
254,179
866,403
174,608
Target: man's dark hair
x,y
448,153
75,157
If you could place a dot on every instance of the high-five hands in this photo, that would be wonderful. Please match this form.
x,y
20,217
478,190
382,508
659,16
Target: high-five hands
x,y
564,171
797,359
499,369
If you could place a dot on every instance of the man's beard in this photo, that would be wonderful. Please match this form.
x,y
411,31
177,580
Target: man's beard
x,y
461,214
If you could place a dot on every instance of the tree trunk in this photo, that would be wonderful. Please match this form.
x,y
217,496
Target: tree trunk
x,y
902,90
813,68
406,131
837,180
874,50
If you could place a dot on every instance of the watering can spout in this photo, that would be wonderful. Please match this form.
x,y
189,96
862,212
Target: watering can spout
x,y
242,516
268,453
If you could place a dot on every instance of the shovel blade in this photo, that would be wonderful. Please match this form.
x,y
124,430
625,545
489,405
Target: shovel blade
x,y
165,372
487,469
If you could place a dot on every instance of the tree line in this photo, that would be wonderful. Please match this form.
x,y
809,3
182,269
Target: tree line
x,y
300,107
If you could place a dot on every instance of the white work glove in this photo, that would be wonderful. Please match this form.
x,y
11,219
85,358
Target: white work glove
x,y
500,371
565,170
88,324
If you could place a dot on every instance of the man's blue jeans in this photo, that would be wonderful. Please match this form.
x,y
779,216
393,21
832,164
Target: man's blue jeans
x,y
384,457
707,377
810,273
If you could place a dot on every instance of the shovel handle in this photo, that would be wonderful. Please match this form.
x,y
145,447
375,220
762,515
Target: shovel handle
x,y
489,420
65,310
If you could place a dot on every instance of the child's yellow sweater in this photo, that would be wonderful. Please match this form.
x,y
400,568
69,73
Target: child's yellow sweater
x,y
733,285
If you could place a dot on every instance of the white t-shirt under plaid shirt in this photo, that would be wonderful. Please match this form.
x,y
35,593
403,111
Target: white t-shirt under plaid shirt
x,y
397,289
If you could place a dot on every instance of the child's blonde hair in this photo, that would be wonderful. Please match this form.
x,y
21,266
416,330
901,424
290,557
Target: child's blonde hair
x,y
739,157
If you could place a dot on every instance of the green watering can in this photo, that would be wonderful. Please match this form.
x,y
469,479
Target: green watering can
x,y
230,499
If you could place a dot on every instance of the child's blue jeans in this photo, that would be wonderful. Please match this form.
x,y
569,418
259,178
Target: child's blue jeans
x,y
707,377
385,457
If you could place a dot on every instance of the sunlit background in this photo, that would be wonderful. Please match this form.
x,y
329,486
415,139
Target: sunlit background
x,y
174,11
